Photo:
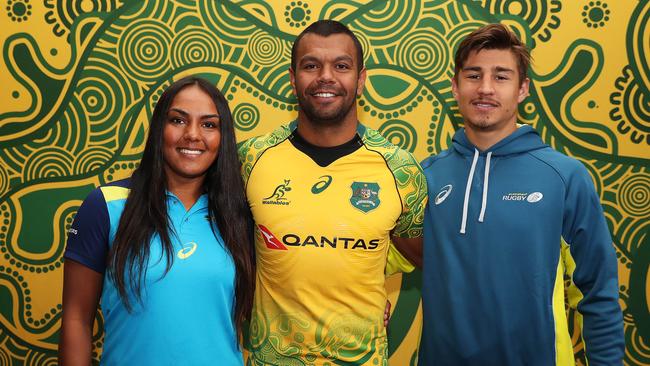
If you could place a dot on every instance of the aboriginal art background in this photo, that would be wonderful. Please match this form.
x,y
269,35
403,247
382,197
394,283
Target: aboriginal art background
x,y
80,78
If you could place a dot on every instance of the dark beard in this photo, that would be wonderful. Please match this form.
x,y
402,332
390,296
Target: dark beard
x,y
326,119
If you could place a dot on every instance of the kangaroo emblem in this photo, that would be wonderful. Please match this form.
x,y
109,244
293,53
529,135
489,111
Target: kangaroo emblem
x,y
278,193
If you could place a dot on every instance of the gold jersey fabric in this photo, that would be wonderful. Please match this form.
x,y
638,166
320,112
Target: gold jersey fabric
x,y
322,238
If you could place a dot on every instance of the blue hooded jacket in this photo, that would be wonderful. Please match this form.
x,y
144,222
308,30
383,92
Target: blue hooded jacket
x,y
502,228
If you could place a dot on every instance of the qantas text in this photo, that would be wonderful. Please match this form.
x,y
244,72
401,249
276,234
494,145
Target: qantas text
x,y
322,241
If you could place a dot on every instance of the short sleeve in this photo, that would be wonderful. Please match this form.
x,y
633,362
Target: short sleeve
x,y
88,236
396,262
412,187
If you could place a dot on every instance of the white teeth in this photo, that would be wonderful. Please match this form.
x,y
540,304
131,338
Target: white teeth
x,y
324,95
190,151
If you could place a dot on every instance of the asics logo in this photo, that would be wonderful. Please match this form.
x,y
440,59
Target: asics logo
x,y
187,250
322,184
443,194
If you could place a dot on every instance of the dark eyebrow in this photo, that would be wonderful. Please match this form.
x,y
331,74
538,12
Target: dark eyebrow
x,y
185,114
497,69
309,58
344,58
472,68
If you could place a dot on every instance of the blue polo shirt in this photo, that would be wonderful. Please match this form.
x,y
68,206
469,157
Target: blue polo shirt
x,y
185,317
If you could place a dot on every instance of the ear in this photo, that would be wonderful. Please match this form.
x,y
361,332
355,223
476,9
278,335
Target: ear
x,y
523,90
454,87
292,78
361,82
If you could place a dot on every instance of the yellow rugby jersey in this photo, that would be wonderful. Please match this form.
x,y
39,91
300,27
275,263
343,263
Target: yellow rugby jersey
x,y
322,238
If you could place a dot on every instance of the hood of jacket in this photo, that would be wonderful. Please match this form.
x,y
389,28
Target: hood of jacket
x,y
523,140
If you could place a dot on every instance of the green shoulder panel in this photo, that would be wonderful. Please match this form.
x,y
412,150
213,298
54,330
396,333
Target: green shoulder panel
x,y
251,149
410,182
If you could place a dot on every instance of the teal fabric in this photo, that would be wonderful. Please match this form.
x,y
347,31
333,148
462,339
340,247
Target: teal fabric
x,y
185,317
487,293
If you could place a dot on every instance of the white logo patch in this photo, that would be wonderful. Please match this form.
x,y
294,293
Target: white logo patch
x,y
535,197
442,195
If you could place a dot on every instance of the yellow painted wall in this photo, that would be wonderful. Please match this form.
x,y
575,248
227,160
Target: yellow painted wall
x,y
79,79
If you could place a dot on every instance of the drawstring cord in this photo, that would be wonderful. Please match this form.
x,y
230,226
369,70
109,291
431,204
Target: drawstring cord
x,y
468,189
486,179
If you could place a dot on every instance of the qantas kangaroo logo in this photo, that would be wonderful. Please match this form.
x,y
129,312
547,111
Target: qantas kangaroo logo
x,y
270,240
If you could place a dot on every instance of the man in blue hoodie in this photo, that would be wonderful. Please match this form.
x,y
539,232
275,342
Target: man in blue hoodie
x,y
507,218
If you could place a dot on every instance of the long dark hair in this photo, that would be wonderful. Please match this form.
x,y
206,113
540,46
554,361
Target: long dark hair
x,y
145,212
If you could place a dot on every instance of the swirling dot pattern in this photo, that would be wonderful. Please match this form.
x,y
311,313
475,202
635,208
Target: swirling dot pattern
x,y
246,116
424,52
144,49
400,133
194,45
264,49
634,195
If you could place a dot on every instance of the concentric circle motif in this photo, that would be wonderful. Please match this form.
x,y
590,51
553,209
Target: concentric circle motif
x,y
246,116
34,358
634,195
638,44
195,45
48,162
400,133
424,52
5,357
365,45
92,159
98,96
639,301
259,330
264,49
144,49
4,180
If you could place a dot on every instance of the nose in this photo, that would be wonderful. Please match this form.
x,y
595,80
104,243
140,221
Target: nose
x,y
326,75
486,86
192,131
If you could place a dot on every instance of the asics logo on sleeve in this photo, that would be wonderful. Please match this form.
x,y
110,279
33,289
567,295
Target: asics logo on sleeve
x,y
443,194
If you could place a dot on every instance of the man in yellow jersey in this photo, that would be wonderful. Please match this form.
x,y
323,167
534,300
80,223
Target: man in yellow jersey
x,y
328,195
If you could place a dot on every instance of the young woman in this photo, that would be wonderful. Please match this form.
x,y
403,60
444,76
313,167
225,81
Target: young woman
x,y
168,250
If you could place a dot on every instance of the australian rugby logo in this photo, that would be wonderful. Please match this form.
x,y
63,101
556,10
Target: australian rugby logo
x,y
365,196
277,197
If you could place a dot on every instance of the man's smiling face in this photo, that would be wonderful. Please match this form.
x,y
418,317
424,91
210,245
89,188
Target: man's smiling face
x,y
488,90
326,81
